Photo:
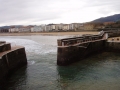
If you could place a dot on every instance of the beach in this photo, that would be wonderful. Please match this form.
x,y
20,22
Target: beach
x,y
49,33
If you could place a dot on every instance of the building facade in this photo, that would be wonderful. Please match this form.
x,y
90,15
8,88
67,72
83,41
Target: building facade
x,y
37,29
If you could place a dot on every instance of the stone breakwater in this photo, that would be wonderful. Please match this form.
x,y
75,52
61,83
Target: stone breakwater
x,y
75,49
11,59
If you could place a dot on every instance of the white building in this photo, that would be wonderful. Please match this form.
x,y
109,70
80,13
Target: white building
x,y
20,29
13,30
50,27
47,28
66,27
24,29
37,29
75,26
53,27
59,27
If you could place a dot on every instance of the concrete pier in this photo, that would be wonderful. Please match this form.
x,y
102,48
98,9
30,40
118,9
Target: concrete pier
x,y
75,49
113,46
11,59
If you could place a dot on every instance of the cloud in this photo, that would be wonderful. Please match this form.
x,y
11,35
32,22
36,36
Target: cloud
x,y
106,7
55,11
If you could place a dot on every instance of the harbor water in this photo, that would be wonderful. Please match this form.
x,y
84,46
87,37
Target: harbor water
x,y
98,72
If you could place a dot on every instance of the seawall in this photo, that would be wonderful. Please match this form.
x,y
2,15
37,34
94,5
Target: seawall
x,y
75,49
69,54
113,46
11,59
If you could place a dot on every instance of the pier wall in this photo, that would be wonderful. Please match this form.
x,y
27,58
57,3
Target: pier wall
x,y
5,47
113,46
75,49
115,33
69,54
10,61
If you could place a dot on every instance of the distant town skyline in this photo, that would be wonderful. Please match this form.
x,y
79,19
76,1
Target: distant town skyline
x,y
36,12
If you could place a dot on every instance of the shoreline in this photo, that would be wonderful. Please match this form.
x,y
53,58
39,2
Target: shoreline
x,y
49,33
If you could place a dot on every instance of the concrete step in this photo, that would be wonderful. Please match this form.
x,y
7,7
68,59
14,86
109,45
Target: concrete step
x,y
5,47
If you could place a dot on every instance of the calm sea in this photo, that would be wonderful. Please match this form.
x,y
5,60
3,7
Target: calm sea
x,y
98,72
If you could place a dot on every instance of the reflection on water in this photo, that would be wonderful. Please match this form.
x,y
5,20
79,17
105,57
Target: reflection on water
x,y
99,72
17,80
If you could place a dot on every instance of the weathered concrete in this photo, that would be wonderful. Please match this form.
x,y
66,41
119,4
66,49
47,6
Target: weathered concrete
x,y
74,49
114,33
70,54
1,42
5,47
113,46
11,59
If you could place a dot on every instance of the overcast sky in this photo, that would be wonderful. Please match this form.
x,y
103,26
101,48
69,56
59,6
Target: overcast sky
x,y
25,12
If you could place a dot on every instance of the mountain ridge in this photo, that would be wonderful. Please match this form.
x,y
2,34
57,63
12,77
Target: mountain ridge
x,y
112,18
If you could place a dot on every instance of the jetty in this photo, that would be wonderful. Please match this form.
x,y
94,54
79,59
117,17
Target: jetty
x,y
11,59
75,49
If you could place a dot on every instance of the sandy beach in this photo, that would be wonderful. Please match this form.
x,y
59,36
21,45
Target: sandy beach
x,y
48,33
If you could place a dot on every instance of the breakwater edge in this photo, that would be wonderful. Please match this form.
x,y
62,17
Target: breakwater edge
x,y
11,59
74,49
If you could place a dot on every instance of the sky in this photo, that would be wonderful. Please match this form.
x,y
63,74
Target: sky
x,y
36,12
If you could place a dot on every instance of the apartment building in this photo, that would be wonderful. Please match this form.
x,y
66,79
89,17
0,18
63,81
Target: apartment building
x,y
89,26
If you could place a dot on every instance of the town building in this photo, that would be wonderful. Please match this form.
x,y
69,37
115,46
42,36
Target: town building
x,y
37,29
89,26
14,30
76,26
20,29
66,27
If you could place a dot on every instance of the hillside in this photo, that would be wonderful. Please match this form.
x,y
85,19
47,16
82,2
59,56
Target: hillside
x,y
7,27
112,18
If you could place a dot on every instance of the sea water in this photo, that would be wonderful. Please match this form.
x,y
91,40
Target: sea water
x,y
98,72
